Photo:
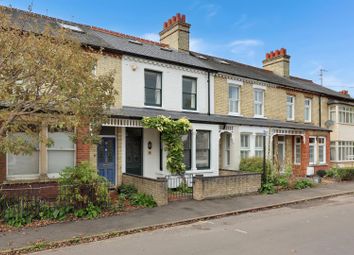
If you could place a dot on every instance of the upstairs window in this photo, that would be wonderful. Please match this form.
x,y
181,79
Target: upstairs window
x,y
290,107
308,110
332,113
346,114
153,88
259,102
189,93
234,99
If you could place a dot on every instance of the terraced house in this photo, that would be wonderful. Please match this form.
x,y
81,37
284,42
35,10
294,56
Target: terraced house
x,y
231,106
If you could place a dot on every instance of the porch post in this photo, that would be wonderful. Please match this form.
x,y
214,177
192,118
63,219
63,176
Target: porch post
x,y
194,147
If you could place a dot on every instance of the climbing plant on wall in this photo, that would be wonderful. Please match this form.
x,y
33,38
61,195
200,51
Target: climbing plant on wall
x,y
171,135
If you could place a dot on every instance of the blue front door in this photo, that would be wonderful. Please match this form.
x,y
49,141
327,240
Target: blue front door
x,y
106,159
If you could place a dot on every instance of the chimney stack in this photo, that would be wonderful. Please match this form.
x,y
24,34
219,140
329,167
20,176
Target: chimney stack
x,y
278,62
344,92
175,33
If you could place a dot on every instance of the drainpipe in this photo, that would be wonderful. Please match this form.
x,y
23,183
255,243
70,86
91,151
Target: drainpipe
x,y
320,111
208,92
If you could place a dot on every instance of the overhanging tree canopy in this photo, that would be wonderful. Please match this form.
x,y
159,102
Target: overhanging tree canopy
x,y
47,78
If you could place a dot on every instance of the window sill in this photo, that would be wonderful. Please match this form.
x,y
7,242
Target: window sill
x,y
200,171
187,110
153,107
259,117
235,114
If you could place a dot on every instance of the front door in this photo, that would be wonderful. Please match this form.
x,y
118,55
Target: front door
x,y
281,153
133,150
106,160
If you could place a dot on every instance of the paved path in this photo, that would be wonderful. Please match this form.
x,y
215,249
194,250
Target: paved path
x,y
323,227
176,211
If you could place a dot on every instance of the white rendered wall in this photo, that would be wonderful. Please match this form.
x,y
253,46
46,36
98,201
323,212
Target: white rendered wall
x,y
133,84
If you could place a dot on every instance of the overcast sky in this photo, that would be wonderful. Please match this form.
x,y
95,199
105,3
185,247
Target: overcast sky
x,y
317,34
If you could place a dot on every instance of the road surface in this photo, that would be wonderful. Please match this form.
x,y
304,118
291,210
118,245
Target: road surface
x,y
321,227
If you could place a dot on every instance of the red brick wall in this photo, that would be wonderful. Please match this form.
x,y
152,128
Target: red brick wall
x,y
2,168
82,149
47,190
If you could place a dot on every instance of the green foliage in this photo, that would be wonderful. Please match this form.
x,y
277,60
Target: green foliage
x,y
331,173
254,164
90,212
80,185
344,174
17,216
321,173
127,190
268,188
54,213
303,184
183,188
141,199
171,135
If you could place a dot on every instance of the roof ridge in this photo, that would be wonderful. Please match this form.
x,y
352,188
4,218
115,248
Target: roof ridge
x,y
107,31
114,33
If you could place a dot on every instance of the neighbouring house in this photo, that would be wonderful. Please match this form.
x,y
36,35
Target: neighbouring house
x,y
231,107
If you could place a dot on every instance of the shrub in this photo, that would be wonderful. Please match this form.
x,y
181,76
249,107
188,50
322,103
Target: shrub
x,y
344,174
303,184
321,173
18,216
81,185
331,173
127,190
254,164
141,199
268,188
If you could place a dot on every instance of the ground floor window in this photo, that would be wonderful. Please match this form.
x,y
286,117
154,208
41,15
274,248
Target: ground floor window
x,y
321,150
297,150
59,156
227,150
187,150
203,149
259,146
24,165
312,149
342,151
245,146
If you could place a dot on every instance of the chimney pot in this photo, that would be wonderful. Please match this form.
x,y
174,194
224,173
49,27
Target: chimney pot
x,y
277,53
174,19
271,54
169,22
268,56
344,92
165,25
278,62
183,18
282,51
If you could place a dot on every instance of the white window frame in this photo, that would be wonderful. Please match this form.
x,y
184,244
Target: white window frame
x,y
57,175
227,149
258,149
292,105
324,149
346,115
309,109
256,90
246,149
297,145
315,150
333,110
238,100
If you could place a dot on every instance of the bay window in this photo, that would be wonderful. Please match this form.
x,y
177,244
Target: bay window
x,y
259,102
153,88
203,149
346,114
345,150
234,99
332,113
245,146
290,106
308,110
189,96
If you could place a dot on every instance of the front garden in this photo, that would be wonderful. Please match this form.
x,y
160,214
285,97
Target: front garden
x,y
81,194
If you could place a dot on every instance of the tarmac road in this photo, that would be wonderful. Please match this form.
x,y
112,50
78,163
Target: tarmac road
x,y
319,227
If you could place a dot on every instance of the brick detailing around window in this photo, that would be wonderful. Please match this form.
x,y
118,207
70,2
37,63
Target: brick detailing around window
x,y
2,168
82,149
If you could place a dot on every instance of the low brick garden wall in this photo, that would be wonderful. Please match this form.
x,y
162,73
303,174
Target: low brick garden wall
x,y
228,183
157,188
44,190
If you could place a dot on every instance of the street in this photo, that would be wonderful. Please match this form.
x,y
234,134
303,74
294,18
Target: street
x,y
321,227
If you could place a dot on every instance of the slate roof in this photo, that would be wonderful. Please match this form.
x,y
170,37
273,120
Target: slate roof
x,y
118,42
138,113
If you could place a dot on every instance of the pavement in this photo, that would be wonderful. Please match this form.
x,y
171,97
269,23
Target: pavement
x,y
182,212
323,227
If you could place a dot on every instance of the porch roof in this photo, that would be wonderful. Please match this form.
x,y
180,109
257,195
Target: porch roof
x,y
138,113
